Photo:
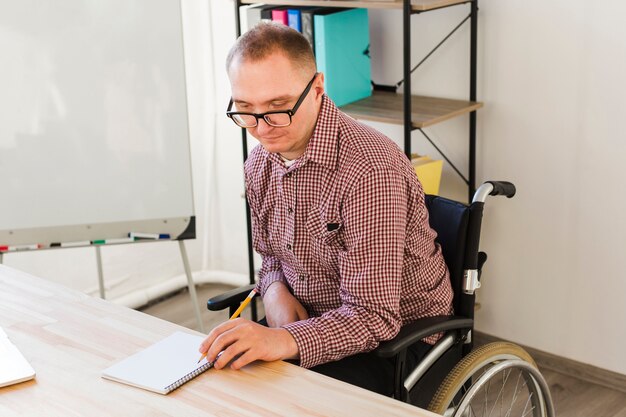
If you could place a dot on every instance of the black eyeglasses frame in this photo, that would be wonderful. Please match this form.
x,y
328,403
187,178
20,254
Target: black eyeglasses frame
x,y
291,112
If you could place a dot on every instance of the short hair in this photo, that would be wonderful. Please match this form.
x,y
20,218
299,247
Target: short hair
x,y
267,38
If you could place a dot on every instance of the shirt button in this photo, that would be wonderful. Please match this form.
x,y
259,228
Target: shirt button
x,y
289,210
302,277
288,246
288,175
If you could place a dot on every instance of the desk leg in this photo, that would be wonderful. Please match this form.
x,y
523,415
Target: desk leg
x,y
191,284
100,274
0,258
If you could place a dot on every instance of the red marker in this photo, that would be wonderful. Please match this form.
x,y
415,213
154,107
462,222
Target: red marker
x,y
20,247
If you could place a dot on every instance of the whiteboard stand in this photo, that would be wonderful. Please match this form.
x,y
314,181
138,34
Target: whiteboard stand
x,y
100,274
190,284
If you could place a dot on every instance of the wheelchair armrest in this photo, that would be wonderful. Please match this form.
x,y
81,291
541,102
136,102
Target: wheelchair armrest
x,y
229,298
419,329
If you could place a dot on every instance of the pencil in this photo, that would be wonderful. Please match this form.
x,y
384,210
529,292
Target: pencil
x,y
236,314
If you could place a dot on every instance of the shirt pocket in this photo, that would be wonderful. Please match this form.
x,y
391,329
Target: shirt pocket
x,y
325,236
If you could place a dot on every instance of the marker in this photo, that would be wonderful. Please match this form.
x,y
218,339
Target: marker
x,y
7,248
70,244
113,241
155,236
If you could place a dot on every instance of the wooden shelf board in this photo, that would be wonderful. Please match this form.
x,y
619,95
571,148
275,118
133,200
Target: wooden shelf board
x,y
387,107
424,5
417,5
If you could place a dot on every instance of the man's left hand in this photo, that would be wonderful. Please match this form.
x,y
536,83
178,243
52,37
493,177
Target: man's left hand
x,y
249,341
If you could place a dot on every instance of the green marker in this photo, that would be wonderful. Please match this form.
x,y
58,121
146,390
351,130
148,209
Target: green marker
x,y
113,241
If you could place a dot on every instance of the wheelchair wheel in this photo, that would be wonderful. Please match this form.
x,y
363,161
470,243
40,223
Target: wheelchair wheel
x,y
497,379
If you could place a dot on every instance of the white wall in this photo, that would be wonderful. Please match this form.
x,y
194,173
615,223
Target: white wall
x,y
553,83
551,77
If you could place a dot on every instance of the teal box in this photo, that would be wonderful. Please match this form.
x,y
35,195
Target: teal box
x,y
342,54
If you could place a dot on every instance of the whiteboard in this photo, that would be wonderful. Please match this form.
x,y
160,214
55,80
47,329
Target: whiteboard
x,y
94,137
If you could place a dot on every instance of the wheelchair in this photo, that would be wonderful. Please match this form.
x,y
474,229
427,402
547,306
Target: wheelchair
x,y
453,379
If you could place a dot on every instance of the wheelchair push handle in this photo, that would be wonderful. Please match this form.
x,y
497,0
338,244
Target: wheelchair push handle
x,y
504,188
488,188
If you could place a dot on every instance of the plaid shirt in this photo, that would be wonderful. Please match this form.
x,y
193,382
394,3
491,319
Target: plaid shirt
x,y
346,229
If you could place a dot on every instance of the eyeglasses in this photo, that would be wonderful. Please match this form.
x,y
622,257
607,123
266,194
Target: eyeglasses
x,y
277,118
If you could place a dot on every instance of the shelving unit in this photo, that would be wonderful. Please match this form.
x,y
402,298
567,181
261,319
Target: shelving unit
x,y
388,106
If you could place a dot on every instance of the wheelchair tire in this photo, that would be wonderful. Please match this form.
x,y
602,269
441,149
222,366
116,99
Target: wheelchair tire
x,y
473,376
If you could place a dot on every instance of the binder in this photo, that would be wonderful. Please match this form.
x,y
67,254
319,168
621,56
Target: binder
x,y
266,13
342,54
280,15
163,366
243,17
306,18
254,14
294,19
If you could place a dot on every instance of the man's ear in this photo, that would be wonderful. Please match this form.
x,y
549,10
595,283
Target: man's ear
x,y
318,85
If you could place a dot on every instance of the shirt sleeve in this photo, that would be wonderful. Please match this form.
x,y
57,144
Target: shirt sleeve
x,y
374,216
269,275
271,269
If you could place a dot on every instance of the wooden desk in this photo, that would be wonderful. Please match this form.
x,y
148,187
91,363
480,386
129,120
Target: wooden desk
x,y
69,338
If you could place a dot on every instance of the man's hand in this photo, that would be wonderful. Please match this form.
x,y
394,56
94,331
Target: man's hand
x,y
248,340
281,307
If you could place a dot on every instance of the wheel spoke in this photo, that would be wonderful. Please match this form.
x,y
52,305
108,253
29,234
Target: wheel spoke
x,y
500,393
525,406
508,414
486,397
502,398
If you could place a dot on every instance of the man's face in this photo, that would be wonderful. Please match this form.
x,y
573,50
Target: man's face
x,y
274,84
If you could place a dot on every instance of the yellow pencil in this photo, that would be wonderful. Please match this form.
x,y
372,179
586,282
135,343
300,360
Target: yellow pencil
x,y
236,314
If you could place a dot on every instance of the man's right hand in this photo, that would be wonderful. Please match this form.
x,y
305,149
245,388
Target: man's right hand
x,y
281,307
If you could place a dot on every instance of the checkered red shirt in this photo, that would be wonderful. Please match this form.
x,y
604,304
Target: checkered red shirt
x,y
346,229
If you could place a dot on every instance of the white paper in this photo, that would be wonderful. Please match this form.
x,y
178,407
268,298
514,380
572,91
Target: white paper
x,y
14,368
161,365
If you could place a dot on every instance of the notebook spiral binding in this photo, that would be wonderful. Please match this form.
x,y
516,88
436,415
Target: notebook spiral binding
x,y
188,377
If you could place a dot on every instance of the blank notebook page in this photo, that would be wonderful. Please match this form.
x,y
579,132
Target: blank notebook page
x,y
163,366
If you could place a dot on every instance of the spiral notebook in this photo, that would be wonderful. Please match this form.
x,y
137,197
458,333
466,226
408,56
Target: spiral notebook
x,y
163,366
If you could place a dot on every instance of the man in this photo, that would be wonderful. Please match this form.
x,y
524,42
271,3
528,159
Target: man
x,y
339,220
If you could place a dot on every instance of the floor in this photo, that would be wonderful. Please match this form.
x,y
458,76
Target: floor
x,y
572,397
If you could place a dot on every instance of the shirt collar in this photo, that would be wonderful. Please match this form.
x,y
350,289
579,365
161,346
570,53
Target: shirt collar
x,y
323,146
